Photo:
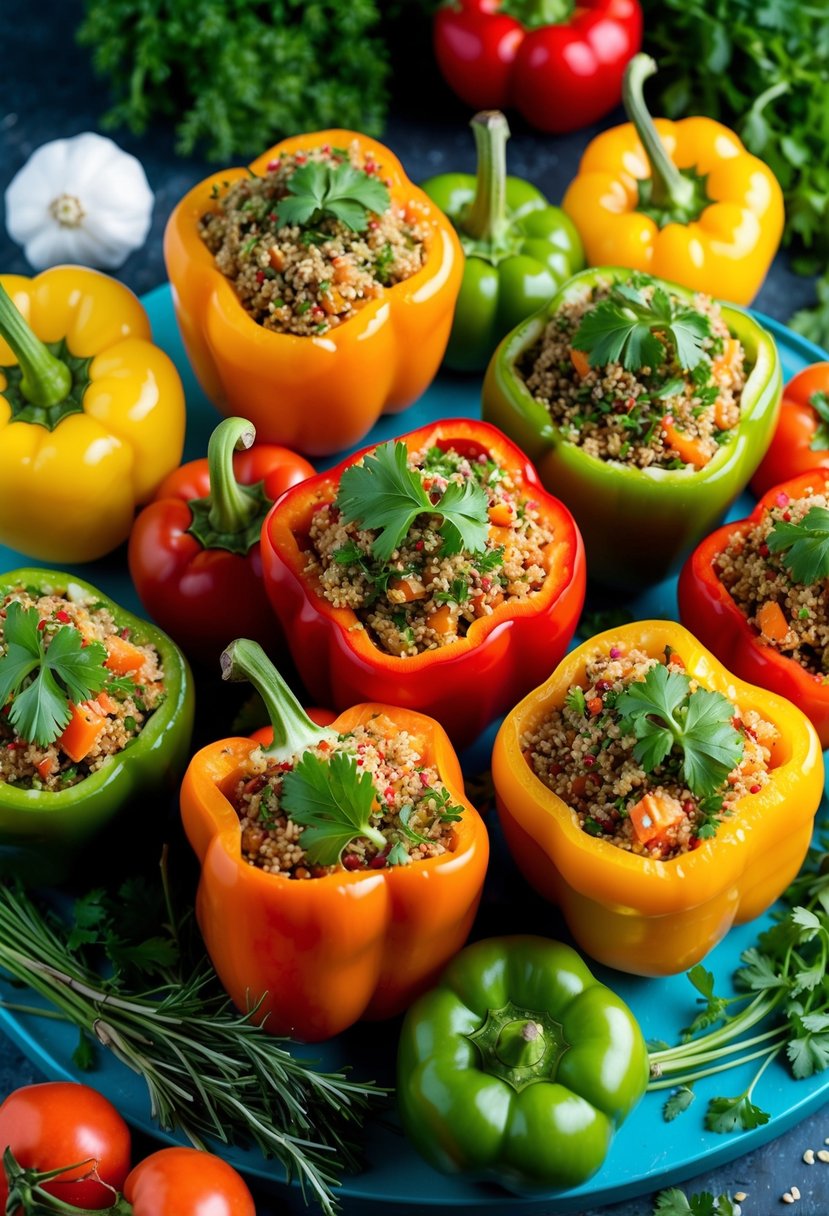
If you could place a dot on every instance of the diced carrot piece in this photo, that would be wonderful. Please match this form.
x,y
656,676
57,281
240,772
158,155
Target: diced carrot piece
x,y
772,621
277,258
443,620
45,767
123,657
595,706
652,815
578,786
405,590
84,729
500,536
343,270
726,414
580,361
103,703
333,302
725,361
501,514
691,451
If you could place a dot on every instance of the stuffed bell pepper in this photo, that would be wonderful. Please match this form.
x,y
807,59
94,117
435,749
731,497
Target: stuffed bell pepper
x,y
341,865
755,592
645,407
96,712
432,572
314,290
654,796
519,1066
801,438
91,413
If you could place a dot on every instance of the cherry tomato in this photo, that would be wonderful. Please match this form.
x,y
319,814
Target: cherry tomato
x,y
187,1182
801,439
59,1123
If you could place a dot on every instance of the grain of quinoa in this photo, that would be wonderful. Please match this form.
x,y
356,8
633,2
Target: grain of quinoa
x,y
581,753
617,415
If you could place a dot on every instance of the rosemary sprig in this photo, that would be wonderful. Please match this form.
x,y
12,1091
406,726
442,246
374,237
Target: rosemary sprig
x,y
211,1072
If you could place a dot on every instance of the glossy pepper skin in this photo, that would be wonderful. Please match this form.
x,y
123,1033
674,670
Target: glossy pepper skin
x,y
44,834
93,423
707,607
194,552
519,1066
646,916
801,438
518,248
559,64
315,394
464,685
681,200
376,937
636,523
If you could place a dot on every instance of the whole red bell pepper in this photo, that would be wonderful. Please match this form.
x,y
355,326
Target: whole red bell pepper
x,y
559,63
801,438
464,685
194,552
707,608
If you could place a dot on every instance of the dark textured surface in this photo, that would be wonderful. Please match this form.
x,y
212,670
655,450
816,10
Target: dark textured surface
x,y
47,91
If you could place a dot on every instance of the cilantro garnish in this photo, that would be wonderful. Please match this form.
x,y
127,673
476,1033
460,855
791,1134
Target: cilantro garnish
x,y
317,190
384,493
820,404
805,544
42,680
675,1202
575,701
664,715
623,328
333,801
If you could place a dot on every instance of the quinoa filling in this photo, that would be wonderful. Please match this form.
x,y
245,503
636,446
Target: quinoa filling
x,y
634,374
47,740
313,240
588,754
776,574
409,812
427,592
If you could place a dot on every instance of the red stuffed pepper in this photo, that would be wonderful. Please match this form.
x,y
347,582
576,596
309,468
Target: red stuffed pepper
x,y
801,438
754,593
560,65
433,572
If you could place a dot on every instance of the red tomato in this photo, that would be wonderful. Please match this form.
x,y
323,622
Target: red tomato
x,y
61,1123
187,1182
801,438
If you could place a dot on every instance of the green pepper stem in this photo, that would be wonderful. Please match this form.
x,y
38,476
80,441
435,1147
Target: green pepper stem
x,y
293,731
521,1043
669,188
27,1196
231,510
536,14
46,380
485,218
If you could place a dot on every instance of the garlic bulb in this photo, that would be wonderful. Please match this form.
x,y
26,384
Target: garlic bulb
x,y
81,200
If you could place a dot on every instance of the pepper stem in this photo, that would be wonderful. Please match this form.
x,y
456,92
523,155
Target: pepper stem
x,y
27,1196
293,731
521,1043
46,380
485,220
231,510
670,189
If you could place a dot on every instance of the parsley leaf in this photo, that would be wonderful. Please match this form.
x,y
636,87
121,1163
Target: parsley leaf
x,y
675,1202
678,1102
42,679
384,493
575,701
333,802
626,328
727,1114
805,545
663,715
342,192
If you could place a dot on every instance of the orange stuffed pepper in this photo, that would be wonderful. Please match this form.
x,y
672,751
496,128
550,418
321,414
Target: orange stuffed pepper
x,y
342,865
315,290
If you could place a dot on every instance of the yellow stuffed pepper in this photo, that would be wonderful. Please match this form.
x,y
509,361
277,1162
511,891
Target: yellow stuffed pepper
x,y
654,797
91,413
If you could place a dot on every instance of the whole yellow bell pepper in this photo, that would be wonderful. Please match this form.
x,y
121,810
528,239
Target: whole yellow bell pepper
x,y
640,914
681,200
91,413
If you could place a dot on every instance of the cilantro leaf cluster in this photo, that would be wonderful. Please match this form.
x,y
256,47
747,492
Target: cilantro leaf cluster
x,y
637,332
343,192
804,545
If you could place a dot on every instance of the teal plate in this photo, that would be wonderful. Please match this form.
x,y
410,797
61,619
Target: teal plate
x,y
648,1153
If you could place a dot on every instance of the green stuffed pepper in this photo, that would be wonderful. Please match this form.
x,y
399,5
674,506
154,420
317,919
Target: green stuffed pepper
x,y
645,407
519,1066
518,248
96,714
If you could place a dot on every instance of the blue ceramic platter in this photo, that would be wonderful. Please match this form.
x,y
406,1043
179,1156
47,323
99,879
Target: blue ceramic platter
x,y
648,1153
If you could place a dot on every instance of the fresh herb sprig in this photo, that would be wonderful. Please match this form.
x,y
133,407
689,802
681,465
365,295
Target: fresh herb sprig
x,y
383,493
333,802
41,679
804,545
318,190
628,328
675,1202
664,715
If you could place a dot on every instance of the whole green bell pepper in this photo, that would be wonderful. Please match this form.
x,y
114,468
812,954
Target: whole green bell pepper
x,y
519,1066
637,523
45,833
518,248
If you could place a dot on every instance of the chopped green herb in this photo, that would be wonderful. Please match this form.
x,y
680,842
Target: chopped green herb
x,y
333,802
575,701
318,189
624,326
805,545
